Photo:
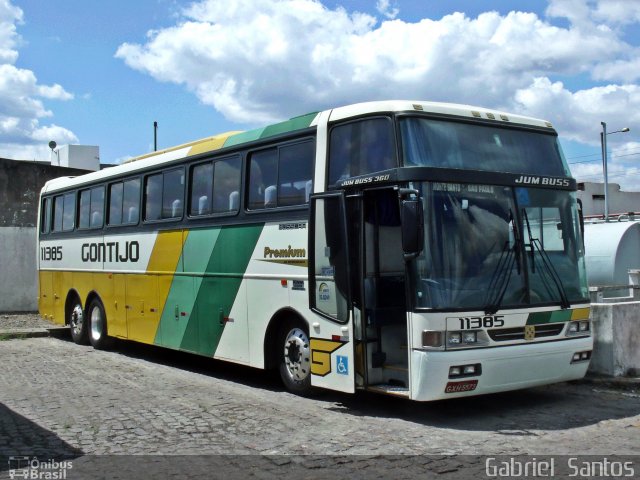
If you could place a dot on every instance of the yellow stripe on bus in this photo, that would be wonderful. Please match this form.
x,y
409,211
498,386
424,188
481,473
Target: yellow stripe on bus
x,y
162,266
580,314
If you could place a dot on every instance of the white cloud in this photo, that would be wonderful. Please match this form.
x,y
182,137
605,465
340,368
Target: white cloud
x,y
21,106
263,60
384,7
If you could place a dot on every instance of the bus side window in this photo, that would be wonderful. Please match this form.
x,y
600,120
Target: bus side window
x,y
65,212
280,177
45,216
91,208
201,187
361,147
262,175
115,204
153,197
97,207
58,208
226,185
172,193
295,168
131,201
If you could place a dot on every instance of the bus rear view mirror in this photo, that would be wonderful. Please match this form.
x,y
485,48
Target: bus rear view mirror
x,y
412,228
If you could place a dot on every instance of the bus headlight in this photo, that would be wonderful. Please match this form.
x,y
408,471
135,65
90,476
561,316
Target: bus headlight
x,y
470,337
579,327
464,337
454,338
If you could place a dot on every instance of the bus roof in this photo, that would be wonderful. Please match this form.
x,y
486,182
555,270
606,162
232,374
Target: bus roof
x,y
229,139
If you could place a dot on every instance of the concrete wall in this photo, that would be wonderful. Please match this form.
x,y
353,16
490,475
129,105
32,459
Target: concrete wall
x,y
20,185
592,196
616,332
18,275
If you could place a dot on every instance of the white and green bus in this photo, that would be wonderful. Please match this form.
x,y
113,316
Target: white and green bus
x,y
417,249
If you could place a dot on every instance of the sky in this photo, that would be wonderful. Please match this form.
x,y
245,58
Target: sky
x,y
100,73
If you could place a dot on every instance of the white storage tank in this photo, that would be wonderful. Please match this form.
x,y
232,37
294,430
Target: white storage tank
x,y
611,250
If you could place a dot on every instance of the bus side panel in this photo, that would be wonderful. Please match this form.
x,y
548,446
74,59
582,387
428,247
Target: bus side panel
x,y
146,295
62,283
104,285
142,307
117,319
222,330
45,299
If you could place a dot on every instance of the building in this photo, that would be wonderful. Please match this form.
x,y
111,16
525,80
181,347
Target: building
x,y
620,202
20,184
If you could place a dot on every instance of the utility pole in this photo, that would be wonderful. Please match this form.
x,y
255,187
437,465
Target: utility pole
x,y
155,136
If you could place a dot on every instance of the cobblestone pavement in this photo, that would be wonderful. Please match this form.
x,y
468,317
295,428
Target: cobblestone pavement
x,y
58,398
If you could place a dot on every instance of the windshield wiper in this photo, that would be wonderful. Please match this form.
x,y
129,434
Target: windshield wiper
x,y
502,274
534,244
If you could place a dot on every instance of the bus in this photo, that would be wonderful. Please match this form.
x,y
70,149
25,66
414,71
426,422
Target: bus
x,y
417,249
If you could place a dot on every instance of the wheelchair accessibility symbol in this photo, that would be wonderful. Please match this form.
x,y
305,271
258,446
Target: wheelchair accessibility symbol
x,y
342,365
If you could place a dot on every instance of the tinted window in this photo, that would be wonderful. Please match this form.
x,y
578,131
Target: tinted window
x,y
68,215
361,147
226,186
58,209
172,194
281,176
262,179
91,208
85,207
439,143
45,216
163,195
115,204
201,188
131,202
295,173
153,198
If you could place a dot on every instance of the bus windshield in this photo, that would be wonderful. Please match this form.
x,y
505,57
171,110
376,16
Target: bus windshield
x,y
428,142
489,247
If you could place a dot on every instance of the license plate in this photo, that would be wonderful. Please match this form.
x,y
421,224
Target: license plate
x,y
463,386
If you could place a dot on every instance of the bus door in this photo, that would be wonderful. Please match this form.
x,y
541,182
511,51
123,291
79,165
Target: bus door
x,y
331,332
384,325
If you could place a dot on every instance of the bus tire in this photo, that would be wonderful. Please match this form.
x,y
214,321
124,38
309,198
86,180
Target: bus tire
x,y
295,358
97,321
78,324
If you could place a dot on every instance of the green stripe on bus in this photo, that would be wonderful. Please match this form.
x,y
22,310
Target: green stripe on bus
x,y
539,318
296,123
196,253
244,137
217,293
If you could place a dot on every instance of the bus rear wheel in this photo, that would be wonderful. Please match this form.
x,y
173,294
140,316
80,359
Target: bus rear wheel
x,y
98,325
78,324
295,358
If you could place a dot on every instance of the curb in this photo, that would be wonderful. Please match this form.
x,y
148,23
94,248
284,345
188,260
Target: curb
x,y
618,383
22,333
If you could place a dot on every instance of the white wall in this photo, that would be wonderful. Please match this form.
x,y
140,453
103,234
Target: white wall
x,y
18,274
616,335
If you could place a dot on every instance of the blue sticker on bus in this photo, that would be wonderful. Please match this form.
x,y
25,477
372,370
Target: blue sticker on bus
x,y
342,365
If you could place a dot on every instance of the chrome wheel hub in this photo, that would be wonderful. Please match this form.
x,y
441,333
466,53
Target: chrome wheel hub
x,y
96,323
77,319
297,355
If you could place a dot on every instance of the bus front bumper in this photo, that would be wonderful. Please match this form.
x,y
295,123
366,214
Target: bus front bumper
x,y
502,368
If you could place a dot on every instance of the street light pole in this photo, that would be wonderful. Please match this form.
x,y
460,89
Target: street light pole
x,y
603,143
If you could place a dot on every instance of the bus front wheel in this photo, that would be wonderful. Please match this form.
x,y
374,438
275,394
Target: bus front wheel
x,y
97,325
295,358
